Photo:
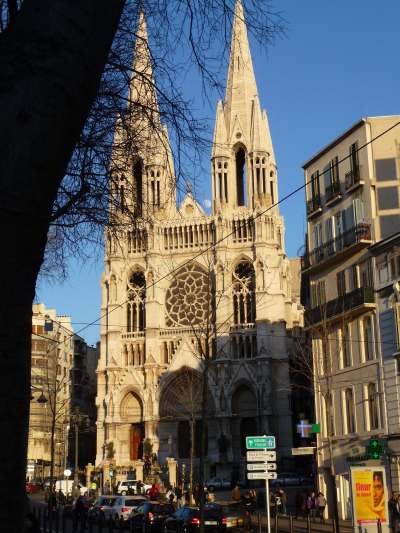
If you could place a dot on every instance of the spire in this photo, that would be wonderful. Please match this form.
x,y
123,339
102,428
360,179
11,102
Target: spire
x,y
142,91
241,86
220,141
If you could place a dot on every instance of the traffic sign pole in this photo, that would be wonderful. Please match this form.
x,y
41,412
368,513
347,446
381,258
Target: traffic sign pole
x,y
267,503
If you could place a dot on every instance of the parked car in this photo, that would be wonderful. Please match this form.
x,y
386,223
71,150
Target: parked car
x,y
124,486
124,505
187,520
150,516
32,487
230,515
216,483
101,509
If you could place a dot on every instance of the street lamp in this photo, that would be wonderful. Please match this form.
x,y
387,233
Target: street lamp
x,y
77,418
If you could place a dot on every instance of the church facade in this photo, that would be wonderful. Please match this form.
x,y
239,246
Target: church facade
x,y
183,285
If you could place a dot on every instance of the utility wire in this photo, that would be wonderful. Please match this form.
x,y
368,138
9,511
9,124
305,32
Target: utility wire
x,y
214,245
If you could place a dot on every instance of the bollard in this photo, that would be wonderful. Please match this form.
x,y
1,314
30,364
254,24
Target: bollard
x,y
379,525
276,523
290,524
259,521
100,525
130,526
335,526
57,521
110,526
64,522
308,524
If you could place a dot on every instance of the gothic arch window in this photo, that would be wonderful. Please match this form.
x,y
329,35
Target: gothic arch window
x,y
243,286
138,181
187,298
136,305
241,176
113,289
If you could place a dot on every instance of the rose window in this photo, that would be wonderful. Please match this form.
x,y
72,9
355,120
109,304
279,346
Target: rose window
x,y
187,297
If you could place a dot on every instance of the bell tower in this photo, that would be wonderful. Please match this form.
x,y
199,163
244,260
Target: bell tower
x,y
243,161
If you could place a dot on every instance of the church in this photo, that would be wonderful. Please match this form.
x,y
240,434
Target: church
x,y
183,289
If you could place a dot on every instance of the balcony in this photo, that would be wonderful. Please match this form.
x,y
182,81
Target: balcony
x,y
352,180
348,306
333,193
342,246
314,206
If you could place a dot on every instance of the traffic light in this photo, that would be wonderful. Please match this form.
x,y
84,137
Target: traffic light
x,y
375,449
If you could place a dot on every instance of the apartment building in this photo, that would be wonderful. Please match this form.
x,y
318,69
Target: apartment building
x,y
52,359
352,192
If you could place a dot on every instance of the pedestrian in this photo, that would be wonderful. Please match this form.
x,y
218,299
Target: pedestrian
x,y
154,492
236,496
211,495
310,505
283,498
60,498
80,513
320,505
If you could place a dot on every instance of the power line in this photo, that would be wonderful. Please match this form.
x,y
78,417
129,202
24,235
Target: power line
x,y
214,245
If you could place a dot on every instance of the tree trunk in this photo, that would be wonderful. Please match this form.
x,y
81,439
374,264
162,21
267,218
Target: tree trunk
x,y
51,60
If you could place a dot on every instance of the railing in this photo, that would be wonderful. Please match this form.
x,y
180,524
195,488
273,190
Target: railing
x,y
243,230
360,232
340,305
133,335
332,191
313,205
352,178
188,235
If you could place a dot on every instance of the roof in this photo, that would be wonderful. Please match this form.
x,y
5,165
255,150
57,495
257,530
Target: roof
x,y
336,141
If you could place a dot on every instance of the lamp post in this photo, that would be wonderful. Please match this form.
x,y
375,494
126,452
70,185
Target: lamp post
x,y
77,418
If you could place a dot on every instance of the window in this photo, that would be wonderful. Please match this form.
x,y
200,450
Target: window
x,y
383,270
353,277
390,224
136,302
388,198
354,167
318,296
366,278
315,191
138,181
244,308
346,346
241,176
386,169
329,414
326,360
373,407
368,339
341,283
350,411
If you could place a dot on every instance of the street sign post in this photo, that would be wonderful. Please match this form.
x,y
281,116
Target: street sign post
x,y
251,467
263,442
262,475
306,450
260,456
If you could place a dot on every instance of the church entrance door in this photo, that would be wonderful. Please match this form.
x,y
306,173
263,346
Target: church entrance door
x,y
136,441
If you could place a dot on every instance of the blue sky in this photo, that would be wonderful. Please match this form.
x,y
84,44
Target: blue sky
x,y
338,62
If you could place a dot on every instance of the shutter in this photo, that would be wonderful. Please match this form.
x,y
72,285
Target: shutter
x,y
397,323
358,210
388,332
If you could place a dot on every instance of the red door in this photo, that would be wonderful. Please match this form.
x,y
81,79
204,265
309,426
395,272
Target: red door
x,y
136,442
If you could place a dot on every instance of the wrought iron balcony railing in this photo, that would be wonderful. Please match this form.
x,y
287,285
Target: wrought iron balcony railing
x,y
339,306
313,205
352,178
360,232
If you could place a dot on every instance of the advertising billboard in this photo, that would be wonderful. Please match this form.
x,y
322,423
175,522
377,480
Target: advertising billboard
x,y
369,494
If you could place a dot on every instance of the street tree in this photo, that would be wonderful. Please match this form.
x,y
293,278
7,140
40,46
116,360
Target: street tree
x,y
61,95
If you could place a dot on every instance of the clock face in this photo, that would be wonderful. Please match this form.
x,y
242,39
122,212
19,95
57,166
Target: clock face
x,y
187,300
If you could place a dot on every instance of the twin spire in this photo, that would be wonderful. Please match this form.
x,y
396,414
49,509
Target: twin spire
x,y
240,117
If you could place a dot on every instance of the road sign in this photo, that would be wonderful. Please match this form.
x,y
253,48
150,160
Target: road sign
x,y
261,456
260,442
67,472
261,466
262,475
306,450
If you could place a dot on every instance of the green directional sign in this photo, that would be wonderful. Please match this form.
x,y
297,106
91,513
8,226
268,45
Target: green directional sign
x,y
261,442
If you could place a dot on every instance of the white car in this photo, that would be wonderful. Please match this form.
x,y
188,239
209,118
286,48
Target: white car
x,y
217,483
124,486
123,506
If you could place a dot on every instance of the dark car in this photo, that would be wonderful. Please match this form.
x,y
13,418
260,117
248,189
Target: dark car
x,y
102,504
150,516
187,520
230,515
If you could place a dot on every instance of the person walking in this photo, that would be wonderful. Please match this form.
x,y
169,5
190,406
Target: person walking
x,y
310,505
320,505
154,492
236,496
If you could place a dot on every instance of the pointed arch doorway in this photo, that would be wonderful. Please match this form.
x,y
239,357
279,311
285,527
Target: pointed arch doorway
x,y
132,414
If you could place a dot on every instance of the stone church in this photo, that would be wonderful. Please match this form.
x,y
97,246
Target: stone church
x,y
182,285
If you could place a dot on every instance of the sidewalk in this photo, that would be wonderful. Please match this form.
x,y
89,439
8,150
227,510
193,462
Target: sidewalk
x,y
300,525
